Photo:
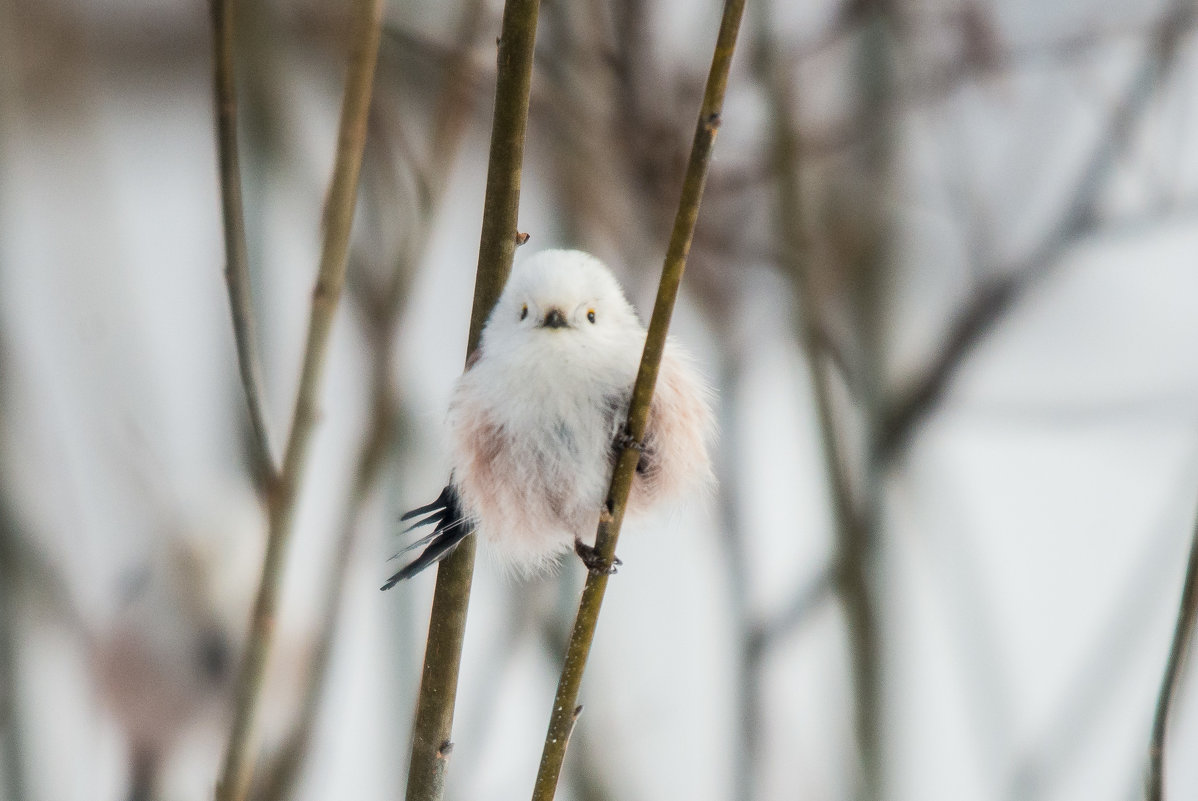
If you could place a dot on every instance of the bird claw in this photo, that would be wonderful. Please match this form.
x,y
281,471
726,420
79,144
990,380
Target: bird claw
x,y
594,561
625,441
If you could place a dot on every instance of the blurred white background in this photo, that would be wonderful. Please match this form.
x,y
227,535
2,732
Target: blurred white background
x,y
994,203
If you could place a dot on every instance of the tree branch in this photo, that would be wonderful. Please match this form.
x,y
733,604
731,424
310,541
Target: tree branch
x,y
562,719
338,221
806,602
910,407
12,759
1109,658
1182,636
451,597
847,576
383,316
237,271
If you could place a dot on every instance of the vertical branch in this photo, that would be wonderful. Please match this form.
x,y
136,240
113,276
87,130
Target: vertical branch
x,y
850,569
339,211
453,111
237,271
12,759
1183,634
859,512
908,408
433,727
588,777
285,768
564,713
746,737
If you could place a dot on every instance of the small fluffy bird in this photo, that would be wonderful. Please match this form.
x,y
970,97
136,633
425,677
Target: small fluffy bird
x,y
537,420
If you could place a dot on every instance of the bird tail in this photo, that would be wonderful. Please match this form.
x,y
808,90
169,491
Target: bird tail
x,y
450,527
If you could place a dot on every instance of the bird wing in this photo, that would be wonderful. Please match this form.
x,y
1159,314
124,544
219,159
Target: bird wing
x,y
450,528
674,448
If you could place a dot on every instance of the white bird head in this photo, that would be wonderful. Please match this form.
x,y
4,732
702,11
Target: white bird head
x,y
566,298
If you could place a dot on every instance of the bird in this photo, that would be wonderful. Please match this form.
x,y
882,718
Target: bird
x,y
537,421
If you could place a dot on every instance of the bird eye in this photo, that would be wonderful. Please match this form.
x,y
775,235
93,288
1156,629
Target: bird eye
x,y
523,311
591,315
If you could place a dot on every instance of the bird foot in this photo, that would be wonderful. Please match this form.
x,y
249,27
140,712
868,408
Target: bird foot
x,y
594,560
624,441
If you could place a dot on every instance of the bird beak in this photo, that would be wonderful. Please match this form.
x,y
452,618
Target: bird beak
x,y
555,319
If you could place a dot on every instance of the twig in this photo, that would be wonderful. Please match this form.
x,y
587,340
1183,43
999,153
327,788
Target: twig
x,y
280,780
746,736
909,408
848,574
1182,635
809,599
1109,658
588,779
453,111
451,596
785,155
561,720
12,761
339,210
237,272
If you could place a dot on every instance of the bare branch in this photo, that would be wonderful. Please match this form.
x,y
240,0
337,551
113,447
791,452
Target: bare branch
x,y
451,597
561,721
853,527
237,271
339,211
1111,656
383,318
1183,634
806,602
12,759
908,409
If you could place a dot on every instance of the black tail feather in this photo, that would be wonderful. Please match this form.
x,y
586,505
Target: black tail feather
x,y
436,517
434,534
451,528
448,496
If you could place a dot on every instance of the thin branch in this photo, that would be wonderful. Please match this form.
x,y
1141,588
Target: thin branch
x,y
785,151
237,271
562,719
847,576
588,778
339,211
809,599
745,737
1109,658
285,769
905,412
453,111
431,742
12,759
1182,635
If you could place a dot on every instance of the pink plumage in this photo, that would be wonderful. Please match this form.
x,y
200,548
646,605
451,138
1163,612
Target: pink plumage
x,y
534,419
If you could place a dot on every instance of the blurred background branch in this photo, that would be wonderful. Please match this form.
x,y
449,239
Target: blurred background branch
x,y
1179,649
1080,218
237,771
237,267
382,308
942,280
12,768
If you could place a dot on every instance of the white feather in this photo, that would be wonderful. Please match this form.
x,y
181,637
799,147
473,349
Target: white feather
x,y
533,419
